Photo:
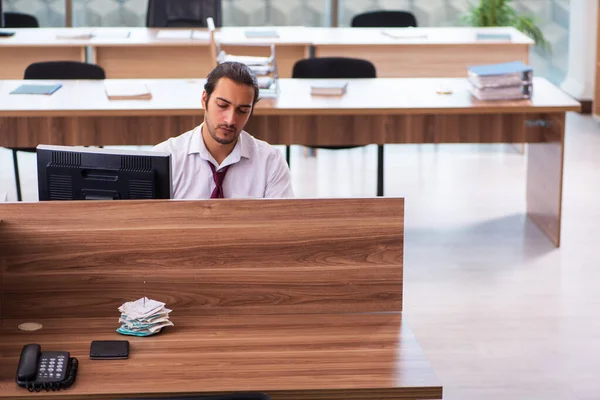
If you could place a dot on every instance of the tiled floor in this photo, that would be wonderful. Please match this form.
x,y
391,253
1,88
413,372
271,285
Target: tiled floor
x,y
499,311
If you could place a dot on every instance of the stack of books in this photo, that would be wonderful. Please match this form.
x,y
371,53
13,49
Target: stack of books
x,y
328,88
127,90
505,81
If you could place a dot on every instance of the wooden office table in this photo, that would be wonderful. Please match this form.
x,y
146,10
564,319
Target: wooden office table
x,y
399,52
373,111
423,52
322,356
313,313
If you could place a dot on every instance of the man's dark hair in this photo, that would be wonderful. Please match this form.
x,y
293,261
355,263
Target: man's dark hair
x,y
237,72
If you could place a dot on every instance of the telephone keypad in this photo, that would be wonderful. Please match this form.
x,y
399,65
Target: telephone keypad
x,y
51,367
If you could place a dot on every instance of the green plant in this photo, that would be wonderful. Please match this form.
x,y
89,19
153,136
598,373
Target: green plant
x,y
501,13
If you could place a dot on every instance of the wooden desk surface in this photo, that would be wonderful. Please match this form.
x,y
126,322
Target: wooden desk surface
x,y
288,35
324,356
416,36
178,97
313,313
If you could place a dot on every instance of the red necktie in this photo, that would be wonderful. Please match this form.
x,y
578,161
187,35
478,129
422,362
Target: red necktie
x,y
218,177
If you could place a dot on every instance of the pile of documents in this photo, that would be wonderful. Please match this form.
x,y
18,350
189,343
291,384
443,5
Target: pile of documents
x,y
127,90
333,87
143,317
505,81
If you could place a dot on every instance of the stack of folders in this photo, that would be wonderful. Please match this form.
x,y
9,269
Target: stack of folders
x,y
328,88
505,81
143,317
127,90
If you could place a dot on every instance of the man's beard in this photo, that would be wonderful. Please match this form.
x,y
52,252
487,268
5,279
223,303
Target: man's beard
x,y
213,133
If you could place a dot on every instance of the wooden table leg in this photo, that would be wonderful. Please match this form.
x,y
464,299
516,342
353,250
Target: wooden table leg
x,y
545,174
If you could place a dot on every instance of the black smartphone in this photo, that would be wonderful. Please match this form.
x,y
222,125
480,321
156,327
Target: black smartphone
x,y
109,350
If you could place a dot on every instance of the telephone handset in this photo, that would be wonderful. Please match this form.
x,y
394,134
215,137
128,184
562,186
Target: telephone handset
x,y
49,370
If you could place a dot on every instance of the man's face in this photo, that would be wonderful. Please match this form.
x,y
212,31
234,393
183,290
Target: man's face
x,y
228,110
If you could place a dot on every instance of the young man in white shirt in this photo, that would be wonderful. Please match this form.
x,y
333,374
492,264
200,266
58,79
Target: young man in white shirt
x,y
218,159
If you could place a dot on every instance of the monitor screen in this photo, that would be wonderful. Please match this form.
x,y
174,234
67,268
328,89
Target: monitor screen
x,y
82,173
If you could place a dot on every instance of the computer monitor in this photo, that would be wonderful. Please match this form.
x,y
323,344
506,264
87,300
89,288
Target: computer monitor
x,y
81,173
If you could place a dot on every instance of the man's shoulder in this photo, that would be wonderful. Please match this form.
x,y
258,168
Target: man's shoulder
x,y
176,143
258,146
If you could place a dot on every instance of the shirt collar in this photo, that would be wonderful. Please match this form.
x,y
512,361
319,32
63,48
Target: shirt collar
x,y
197,146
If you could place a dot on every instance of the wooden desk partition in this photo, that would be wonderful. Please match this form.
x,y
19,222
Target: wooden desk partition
x,y
16,59
290,297
215,257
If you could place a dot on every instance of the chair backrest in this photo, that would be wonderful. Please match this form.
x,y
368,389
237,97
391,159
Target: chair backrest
x,y
333,67
182,13
384,19
64,70
20,20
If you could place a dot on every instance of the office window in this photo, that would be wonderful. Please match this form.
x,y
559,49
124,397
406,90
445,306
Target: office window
x,y
276,12
109,12
428,13
235,12
47,12
552,16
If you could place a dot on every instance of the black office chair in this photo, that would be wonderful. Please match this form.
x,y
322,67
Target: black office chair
x,y
54,70
384,19
338,68
183,13
64,70
20,20
333,68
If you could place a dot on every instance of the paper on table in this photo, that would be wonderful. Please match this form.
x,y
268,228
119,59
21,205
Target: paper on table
x,y
261,33
159,315
143,317
119,90
112,34
404,33
248,60
140,308
75,34
174,34
264,82
329,87
141,322
200,35
261,70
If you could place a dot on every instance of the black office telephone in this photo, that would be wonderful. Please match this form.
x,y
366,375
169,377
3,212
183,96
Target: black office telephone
x,y
49,370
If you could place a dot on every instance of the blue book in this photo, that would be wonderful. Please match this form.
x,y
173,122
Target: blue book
x,y
37,89
509,68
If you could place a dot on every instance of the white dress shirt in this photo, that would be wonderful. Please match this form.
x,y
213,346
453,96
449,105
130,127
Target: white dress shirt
x,y
257,170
